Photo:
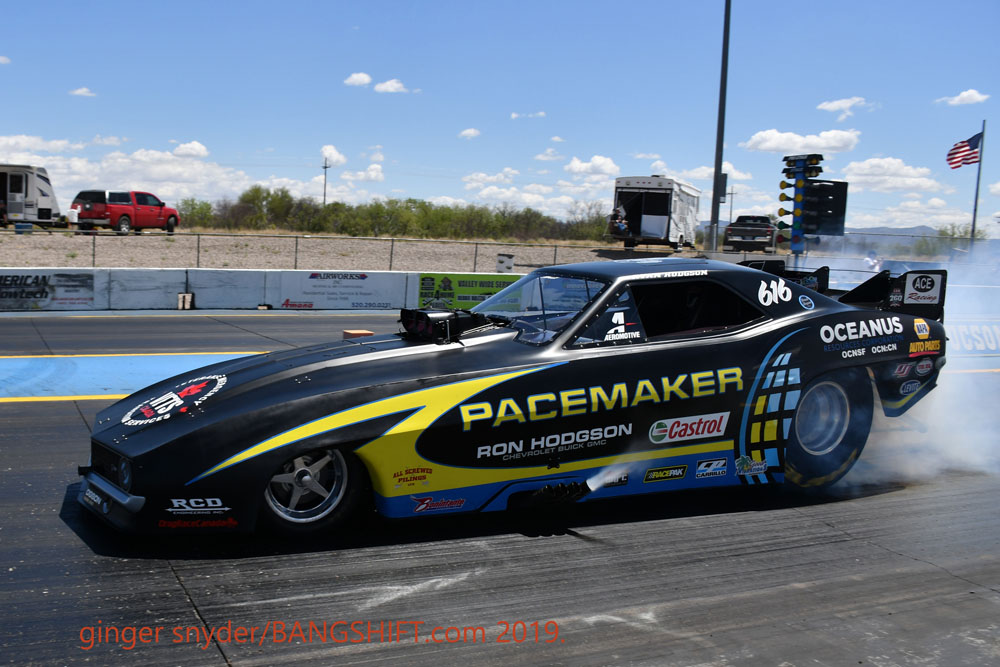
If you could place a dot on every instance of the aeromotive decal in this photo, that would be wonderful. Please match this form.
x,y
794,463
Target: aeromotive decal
x,y
429,404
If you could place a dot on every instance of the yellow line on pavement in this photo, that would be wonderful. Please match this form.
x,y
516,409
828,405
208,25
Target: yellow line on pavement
x,y
39,399
973,370
131,354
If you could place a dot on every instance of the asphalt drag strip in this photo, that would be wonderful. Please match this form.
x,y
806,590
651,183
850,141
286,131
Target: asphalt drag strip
x,y
867,573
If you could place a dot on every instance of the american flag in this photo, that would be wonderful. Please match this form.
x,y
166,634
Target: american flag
x,y
965,152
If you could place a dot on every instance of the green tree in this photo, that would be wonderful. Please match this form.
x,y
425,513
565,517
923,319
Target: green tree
x,y
195,213
252,207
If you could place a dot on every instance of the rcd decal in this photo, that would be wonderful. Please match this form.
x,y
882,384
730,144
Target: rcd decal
x,y
197,506
774,292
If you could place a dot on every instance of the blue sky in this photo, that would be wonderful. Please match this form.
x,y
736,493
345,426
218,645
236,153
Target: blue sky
x,y
537,104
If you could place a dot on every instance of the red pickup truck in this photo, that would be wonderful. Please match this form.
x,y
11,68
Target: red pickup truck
x,y
123,211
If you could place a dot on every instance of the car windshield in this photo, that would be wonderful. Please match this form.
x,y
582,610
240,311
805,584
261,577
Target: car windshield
x,y
541,305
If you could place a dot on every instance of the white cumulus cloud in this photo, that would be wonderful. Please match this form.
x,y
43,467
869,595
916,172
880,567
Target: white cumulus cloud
x,y
538,114
557,139
83,92
98,140
707,173
910,213
469,133
646,156
4,60
970,96
391,86
995,189
843,106
358,79
372,173
511,196
30,143
334,157
447,201
889,174
479,179
828,141
549,154
597,165
191,149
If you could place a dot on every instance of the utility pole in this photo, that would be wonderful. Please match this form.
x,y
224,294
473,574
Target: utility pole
x,y
325,167
714,225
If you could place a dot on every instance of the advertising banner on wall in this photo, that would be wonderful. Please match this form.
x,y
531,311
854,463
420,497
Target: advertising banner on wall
x,y
460,290
46,289
340,290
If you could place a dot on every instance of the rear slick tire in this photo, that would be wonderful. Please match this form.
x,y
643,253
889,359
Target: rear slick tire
x,y
830,427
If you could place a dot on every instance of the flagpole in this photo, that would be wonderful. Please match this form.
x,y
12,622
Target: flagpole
x,y
979,171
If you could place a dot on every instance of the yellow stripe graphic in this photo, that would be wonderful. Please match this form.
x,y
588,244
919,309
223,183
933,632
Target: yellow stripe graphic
x,y
428,403
35,399
128,354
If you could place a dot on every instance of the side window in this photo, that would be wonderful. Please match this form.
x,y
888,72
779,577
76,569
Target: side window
x,y
142,199
119,198
691,307
618,324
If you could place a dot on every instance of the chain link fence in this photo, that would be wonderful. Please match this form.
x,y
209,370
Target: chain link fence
x,y
257,251
66,249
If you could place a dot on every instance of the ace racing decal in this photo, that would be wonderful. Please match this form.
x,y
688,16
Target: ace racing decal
x,y
186,395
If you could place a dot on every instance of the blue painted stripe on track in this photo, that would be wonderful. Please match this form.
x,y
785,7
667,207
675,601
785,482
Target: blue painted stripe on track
x,y
94,375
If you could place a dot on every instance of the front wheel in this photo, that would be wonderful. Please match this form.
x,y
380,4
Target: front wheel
x,y
315,492
123,226
829,429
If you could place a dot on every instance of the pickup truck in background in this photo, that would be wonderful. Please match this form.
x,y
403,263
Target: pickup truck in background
x,y
123,211
750,232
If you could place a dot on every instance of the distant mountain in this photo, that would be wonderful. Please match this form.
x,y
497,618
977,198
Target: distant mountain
x,y
919,230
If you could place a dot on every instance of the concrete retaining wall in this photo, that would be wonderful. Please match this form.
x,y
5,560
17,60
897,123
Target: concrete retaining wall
x,y
158,289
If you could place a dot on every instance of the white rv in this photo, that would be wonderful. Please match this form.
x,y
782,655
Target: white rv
x,y
26,192
654,210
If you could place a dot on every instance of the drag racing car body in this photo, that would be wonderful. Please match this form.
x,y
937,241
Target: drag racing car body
x,y
576,383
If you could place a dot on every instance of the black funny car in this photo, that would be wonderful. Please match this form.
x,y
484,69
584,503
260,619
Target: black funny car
x,y
576,383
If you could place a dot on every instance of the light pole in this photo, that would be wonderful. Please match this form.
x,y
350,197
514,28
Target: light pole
x,y
714,225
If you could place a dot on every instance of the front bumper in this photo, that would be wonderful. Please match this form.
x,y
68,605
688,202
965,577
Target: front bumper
x,y
111,504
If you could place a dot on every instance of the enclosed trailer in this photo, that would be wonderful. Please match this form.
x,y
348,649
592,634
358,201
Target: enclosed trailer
x,y
654,210
26,192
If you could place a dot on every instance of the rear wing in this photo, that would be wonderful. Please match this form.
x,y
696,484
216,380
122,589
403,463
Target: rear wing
x,y
919,293
817,281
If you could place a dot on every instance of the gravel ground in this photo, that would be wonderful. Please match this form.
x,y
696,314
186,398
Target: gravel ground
x,y
187,250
